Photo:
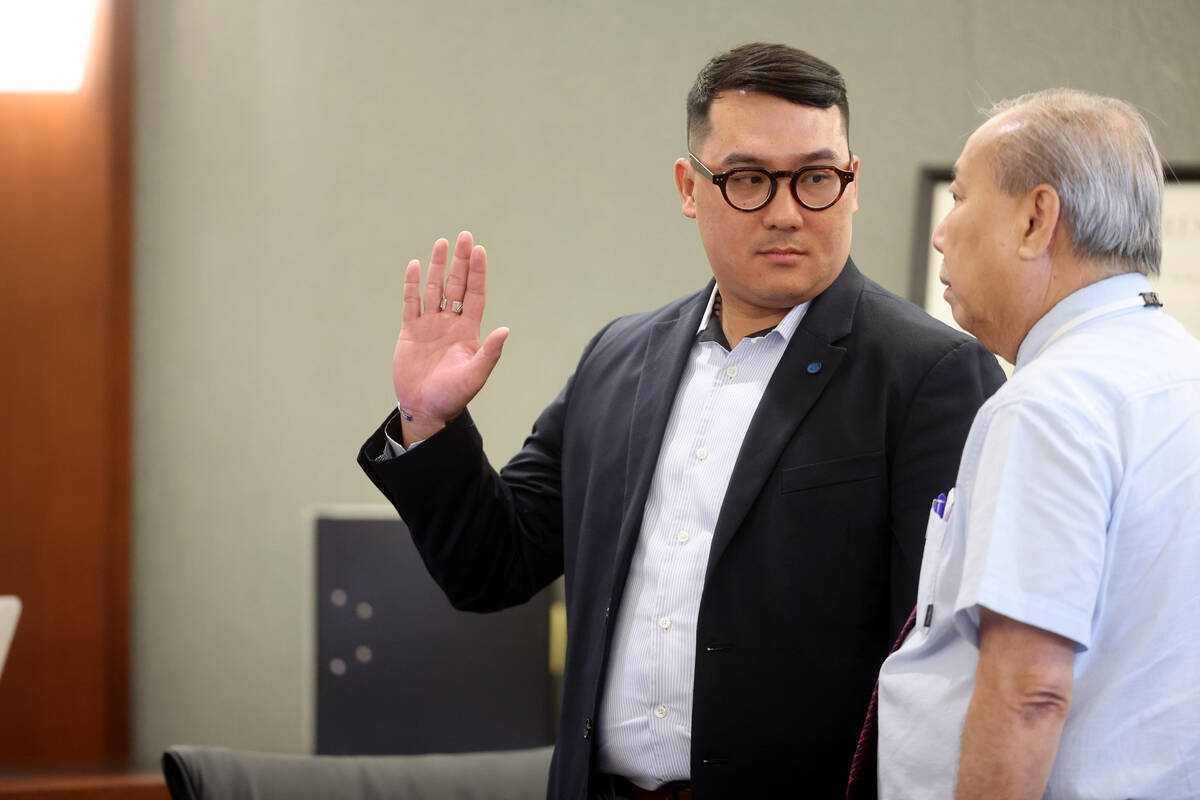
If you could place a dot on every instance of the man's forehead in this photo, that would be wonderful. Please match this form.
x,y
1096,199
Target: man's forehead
x,y
962,169
990,134
978,145
744,121
799,154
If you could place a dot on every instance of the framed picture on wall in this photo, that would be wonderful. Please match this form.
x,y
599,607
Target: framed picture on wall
x,y
1178,283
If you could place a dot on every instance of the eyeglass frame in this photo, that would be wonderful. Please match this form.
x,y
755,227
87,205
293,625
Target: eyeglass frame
x,y
720,178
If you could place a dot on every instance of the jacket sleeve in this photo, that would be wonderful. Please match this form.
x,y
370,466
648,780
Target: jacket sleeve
x,y
490,539
927,457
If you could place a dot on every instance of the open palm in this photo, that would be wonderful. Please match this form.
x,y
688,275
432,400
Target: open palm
x,y
440,364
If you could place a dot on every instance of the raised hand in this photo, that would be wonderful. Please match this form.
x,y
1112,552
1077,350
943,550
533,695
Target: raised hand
x,y
439,364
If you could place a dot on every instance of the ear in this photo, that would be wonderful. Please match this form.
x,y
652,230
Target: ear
x,y
685,181
1040,210
852,189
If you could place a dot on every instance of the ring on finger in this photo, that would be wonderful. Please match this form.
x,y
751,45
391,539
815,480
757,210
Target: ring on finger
x,y
456,307
442,305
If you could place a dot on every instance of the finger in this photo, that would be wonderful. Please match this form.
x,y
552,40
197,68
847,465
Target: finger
x,y
412,291
476,284
437,271
456,282
489,352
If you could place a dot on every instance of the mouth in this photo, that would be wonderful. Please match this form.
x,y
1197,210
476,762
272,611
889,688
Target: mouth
x,y
782,255
946,284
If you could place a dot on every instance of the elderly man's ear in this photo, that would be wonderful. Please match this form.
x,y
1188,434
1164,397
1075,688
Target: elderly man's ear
x,y
1040,211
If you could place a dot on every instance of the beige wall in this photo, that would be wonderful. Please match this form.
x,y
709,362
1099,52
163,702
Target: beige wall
x,y
292,156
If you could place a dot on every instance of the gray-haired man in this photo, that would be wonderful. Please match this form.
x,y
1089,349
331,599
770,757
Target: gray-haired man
x,y
1056,636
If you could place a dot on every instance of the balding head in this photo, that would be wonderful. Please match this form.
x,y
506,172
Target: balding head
x,y
1098,155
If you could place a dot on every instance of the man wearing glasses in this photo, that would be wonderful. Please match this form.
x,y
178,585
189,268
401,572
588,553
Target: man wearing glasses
x,y
735,485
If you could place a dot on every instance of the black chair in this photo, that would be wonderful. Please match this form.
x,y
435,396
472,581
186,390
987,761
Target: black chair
x,y
217,773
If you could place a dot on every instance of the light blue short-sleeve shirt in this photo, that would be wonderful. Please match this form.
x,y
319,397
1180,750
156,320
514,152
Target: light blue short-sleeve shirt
x,y
1077,510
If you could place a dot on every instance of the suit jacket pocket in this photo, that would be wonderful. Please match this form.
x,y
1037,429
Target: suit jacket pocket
x,y
828,473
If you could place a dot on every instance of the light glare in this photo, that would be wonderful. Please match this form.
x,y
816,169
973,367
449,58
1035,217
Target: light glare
x,y
44,44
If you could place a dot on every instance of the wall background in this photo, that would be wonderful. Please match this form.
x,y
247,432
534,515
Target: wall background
x,y
290,157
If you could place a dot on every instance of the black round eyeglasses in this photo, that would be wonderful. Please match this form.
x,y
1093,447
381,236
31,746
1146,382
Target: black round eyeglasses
x,y
750,188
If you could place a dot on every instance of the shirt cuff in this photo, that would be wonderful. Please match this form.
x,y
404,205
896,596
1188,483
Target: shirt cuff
x,y
391,447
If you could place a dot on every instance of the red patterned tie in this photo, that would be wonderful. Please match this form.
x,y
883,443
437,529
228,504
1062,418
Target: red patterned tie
x,y
868,739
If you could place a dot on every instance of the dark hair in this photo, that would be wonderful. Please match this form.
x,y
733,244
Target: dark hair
x,y
773,69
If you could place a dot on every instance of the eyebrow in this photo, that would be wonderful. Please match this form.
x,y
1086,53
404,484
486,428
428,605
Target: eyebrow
x,y
821,155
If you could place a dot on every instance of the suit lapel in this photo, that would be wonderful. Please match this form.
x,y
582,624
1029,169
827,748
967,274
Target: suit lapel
x,y
791,393
667,349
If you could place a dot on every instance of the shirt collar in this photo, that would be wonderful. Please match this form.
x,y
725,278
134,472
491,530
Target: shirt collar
x,y
710,329
1076,304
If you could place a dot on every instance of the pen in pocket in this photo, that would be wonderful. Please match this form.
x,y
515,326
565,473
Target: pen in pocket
x,y
939,504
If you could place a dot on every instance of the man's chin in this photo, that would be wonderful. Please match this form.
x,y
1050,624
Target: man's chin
x,y
955,309
962,319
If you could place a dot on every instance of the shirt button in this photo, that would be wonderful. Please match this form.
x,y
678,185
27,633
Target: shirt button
x,y
682,537
731,372
701,453
660,711
664,623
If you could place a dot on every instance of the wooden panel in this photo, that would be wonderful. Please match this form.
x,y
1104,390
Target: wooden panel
x,y
98,786
64,410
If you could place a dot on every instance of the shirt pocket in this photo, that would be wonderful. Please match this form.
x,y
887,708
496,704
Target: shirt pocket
x,y
834,471
931,559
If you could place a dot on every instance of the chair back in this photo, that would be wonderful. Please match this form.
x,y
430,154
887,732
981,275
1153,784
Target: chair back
x,y
218,773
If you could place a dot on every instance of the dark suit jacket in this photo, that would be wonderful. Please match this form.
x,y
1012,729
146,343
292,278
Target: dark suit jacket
x,y
816,551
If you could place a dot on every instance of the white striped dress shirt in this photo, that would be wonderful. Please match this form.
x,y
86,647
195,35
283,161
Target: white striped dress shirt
x,y
645,721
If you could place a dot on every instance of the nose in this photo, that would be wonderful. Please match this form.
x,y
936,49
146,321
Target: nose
x,y
939,236
784,212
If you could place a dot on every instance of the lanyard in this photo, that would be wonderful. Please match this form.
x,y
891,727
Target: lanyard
x,y
1147,300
